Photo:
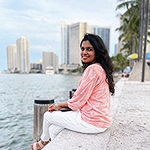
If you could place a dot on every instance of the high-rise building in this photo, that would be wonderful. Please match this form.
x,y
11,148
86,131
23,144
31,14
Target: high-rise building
x,y
104,33
11,58
77,31
55,63
50,59
71,36
65,42
23,55
116,49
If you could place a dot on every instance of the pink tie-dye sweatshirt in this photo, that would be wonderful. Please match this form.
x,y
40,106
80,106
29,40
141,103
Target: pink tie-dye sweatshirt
x,y
92,97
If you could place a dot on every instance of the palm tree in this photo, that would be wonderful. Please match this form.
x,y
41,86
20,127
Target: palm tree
x,y
120,62
130,25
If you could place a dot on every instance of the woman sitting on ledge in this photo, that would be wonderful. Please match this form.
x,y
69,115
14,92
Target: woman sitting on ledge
x,y
91,112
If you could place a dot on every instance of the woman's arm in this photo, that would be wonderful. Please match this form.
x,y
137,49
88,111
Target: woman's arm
x,y
63,104
54,107
85,89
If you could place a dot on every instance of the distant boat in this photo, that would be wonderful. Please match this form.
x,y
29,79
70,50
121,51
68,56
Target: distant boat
x,y
49,70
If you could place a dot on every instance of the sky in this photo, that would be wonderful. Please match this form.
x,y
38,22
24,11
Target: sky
x,y
40,22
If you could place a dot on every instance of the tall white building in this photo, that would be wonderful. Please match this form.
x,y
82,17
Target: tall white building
x,y
50,59
77,32
11,57
104,33
23,55
65,42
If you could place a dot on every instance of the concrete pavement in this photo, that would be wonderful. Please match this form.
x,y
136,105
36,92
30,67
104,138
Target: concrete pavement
x,y
130,128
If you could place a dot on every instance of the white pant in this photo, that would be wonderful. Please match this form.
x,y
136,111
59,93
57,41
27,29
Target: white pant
x,y
56,121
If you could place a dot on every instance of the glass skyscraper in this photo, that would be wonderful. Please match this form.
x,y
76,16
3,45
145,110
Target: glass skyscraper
x,y
104,33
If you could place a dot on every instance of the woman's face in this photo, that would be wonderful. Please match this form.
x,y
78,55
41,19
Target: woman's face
x,y
88,54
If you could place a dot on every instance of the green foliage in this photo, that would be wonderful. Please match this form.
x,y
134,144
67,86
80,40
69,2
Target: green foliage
x,y
79,70
120,62
130,26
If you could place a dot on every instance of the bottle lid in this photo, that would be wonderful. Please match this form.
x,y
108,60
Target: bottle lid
x,y
44,101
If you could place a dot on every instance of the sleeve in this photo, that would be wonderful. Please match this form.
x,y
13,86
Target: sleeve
x,y
85,89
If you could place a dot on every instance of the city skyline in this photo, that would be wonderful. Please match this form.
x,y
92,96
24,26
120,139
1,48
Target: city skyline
x,y
18,56
18,59
41,23
72,34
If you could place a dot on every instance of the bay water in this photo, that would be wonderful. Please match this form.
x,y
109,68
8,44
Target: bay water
x,y
17,95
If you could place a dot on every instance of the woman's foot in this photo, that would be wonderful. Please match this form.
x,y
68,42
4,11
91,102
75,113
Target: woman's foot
x,y
39,145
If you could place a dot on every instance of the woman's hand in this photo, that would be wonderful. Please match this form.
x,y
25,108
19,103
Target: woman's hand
x,y
54,107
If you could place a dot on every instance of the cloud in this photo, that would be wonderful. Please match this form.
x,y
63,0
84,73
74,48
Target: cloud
x,y
41,48
38,28
28,21
44,17
40,20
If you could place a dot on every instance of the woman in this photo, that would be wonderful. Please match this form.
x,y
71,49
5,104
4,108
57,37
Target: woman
x,y
91,102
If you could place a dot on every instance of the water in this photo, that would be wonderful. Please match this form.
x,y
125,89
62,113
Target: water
x,y
17,94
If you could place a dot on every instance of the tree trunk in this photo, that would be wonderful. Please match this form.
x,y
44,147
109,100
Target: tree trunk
x,y
133,44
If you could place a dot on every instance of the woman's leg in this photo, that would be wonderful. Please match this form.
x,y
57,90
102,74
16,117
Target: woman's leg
x,y
54,130
56,121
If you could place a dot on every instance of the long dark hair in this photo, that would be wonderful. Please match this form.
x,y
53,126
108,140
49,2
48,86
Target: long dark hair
x,y
102,57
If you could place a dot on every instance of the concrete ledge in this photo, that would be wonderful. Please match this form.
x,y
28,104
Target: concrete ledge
x,y
136,74
69,140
